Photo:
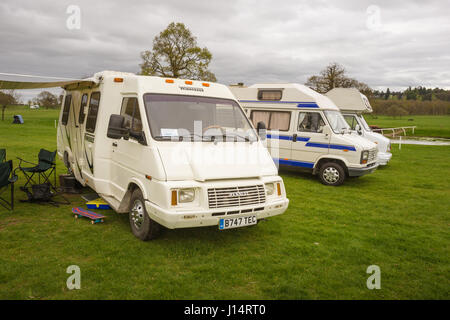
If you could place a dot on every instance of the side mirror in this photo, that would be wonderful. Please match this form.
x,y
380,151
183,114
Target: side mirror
x,y
116,129
358,129
261,129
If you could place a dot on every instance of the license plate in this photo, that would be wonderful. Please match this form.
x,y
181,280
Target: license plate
x,y
230,223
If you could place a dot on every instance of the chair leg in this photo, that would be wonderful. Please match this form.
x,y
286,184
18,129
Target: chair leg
x,y
12,196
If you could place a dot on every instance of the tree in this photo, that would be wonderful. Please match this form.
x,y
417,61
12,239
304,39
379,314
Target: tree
x,y
7,98
46,99
396,111
175,54
333,76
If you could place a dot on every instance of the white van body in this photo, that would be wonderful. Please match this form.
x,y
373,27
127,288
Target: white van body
x,y
353,104
193,180
114,167
293,144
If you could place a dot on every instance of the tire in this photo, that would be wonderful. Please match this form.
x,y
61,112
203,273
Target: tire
x,y
332,174
142,226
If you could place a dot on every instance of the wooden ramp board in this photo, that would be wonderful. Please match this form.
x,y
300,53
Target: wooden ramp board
x,y
80,212
98,204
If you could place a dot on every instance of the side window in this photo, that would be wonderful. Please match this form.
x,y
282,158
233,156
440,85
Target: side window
x,y
66,110
280,121
274,120
130,111
351,120
310,122
84,102
93,111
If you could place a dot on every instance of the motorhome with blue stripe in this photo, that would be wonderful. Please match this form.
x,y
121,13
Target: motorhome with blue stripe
x,y
306,130
353,104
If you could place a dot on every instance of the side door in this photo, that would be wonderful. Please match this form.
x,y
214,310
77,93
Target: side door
x,y
279,135
88,148
127,153
309,141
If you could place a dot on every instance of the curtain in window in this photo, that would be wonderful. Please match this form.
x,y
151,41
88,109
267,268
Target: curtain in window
x,y
279,121
258,116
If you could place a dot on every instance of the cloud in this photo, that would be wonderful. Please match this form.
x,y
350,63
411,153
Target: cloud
x,y
251,41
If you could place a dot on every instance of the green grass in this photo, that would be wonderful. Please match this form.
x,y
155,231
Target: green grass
x,y
396,218
427,126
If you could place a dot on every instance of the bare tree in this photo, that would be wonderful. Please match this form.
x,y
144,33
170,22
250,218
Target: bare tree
x,y
333,76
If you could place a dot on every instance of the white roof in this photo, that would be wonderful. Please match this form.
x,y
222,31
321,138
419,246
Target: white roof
x,y
349,99
294,95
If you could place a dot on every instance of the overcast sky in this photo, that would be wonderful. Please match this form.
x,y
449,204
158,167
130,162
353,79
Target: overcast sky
x,y
382,43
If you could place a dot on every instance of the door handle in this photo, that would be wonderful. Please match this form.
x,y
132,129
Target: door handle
x,y
294,137
114,144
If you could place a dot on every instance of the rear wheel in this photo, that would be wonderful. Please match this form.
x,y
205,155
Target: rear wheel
x,y
332,174
142,226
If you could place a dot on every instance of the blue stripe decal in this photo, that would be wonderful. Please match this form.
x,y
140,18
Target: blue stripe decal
x,y
270,136
277,101
307,105
331,146
295,163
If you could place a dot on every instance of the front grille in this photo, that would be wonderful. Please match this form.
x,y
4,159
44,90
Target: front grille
x,y
372,155
236,196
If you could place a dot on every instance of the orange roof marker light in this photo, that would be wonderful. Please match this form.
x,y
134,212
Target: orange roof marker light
x,y
169,81
118,79
188,82
205,84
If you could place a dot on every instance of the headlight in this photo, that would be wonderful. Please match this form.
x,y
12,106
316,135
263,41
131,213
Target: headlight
x,y
270,189
364,156
186,195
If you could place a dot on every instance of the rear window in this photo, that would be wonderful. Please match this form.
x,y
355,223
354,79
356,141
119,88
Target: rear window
x,y
66,110
269,95
92,113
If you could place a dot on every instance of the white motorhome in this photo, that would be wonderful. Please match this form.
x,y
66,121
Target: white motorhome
x,y
171,152
353,104
306,130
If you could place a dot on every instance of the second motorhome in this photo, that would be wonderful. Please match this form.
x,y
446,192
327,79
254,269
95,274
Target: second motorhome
x,y
170,152
306,130
353,104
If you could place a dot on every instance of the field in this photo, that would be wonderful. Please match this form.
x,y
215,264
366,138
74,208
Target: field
x,y
397,218
427,126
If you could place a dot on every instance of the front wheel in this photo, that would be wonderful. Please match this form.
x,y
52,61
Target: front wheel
x,y
332,174
142,226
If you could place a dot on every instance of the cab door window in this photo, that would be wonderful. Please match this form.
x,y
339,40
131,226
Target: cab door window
x,y
351,120
310,122
130,111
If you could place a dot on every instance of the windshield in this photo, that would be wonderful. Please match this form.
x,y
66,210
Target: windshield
x,y
364,123
337,121
188,118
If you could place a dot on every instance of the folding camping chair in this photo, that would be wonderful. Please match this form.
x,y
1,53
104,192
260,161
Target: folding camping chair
x,y
7,177
2,155
44,169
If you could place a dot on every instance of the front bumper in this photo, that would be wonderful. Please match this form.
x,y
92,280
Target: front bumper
x,y
383,158
358,172
189,218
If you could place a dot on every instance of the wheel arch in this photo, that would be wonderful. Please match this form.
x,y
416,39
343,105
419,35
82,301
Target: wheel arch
x,y
132,185
326,159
